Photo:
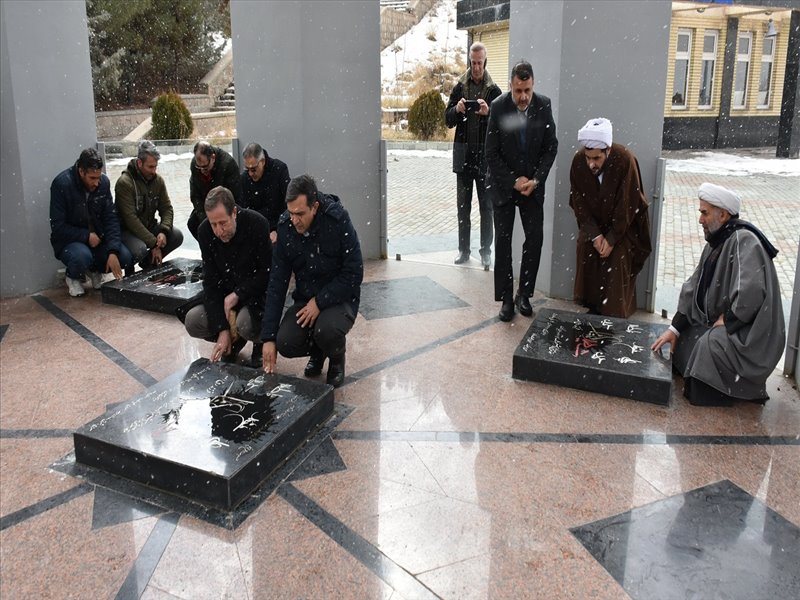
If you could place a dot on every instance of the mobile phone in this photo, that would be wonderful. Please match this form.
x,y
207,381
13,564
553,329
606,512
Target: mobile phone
x,y
471,105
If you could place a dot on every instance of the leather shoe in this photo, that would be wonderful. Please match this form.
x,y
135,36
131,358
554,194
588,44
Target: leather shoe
x,y
486,261
507,310
315,362
461,258
336,371
523,305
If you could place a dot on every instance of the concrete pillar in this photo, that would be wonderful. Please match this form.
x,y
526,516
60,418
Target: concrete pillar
x,y
593,59
47,118
789,124
307,80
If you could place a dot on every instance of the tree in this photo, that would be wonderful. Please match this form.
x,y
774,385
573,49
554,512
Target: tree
x,y
171,118
140,48
426,116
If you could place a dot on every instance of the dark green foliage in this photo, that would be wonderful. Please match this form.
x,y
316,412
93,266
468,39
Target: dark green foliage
x,y
426,117
140,48
171,118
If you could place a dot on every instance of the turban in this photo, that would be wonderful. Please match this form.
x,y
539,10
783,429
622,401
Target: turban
x,y
595,134
716,195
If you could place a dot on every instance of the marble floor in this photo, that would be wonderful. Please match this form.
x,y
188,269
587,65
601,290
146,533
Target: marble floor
x,y
438,476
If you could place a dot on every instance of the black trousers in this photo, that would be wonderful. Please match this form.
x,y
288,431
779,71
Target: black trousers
x,y
194,222
531,213
464,183
327,334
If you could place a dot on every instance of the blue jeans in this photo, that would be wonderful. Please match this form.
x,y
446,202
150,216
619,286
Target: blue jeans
x,y
139,250
79,258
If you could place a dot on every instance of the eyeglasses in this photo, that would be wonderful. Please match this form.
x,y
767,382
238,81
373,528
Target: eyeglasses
x,y
251,169
203,168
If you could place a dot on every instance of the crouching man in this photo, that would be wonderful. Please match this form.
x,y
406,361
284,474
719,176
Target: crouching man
x,y
318,244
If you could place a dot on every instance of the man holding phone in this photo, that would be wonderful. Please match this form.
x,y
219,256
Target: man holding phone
x,y
468,112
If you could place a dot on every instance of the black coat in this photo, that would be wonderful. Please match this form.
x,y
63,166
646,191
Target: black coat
x,y
225,173
241,265
326,264
268,194
461,155
71,212
507,160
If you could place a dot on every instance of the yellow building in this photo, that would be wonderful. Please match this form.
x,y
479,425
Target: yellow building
x,y
732,70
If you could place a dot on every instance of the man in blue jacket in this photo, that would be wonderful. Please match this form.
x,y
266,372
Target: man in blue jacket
x,y
318,244
84,227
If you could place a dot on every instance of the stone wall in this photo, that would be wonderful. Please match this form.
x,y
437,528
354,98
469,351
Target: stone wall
x,y
214,124
395,23
220,76
116,124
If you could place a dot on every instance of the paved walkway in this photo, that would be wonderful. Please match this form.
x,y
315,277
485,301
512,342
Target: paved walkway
x,y
422,222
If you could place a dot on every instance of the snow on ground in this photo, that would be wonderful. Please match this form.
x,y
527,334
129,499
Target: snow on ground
x,y
719,163
117,162
416,48
421,153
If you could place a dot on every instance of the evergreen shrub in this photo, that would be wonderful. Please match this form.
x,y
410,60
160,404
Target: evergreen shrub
x,y
171,118
426,116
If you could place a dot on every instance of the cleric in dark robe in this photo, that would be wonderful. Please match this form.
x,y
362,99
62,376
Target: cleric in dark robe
x,y
728,334
613,243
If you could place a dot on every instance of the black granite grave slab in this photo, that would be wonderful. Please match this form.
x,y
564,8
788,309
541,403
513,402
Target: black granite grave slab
x,y
594,353
406,296
211,433
717,541
162,289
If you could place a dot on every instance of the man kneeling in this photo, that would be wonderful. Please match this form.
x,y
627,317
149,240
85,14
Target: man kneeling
x,y
730,319
237,252
318,244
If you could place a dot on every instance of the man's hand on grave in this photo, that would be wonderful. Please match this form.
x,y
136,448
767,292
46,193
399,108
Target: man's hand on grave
x,y
668,337
161,240
223,345
155,256
113,266
269,354
308,314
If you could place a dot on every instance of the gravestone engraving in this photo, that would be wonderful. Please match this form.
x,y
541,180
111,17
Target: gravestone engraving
x,y
594,353
211,433
162,289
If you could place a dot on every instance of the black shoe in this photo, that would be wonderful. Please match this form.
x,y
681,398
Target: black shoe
x,y
236,347
507,310
256,358
315,362
486,261
461,258
523,305
336,371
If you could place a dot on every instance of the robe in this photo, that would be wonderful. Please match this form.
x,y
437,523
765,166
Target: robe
x,y
734,359
617,209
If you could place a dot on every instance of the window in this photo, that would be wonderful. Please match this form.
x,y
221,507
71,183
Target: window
x,y
742,70
765,79
683,50
707,70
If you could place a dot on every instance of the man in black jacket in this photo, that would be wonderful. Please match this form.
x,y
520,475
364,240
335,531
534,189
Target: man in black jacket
x,y
521,146
318,244
264,182
468,112
210,167
237,253
85,231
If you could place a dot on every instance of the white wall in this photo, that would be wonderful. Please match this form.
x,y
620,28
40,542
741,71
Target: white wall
x,y
47,119
307,78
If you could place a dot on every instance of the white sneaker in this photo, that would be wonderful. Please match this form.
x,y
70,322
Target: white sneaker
x,y
74,286
96,279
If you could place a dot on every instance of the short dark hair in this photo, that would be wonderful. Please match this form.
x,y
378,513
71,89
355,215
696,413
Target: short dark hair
x,y
219,195
89,160
205,148
254,150
303,185
522,71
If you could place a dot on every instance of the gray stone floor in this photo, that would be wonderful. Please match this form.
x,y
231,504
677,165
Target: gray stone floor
x,y
422,215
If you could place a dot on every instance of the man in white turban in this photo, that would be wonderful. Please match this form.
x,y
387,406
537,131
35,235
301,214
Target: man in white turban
x,y
613,224
728,334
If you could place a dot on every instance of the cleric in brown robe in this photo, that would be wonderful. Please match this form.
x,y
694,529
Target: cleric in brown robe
x,y
614,227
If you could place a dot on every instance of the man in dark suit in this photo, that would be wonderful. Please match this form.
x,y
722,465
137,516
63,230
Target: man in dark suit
x,y
521,146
